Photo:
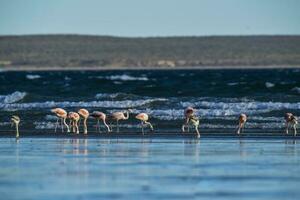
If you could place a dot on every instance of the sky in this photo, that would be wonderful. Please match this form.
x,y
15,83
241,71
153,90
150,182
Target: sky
x,y
147,18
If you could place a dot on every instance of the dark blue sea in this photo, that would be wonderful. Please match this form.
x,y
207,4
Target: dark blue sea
x,y
218,95
144,167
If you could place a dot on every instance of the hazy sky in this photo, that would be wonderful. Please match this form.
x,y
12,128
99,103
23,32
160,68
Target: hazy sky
x,y
150,17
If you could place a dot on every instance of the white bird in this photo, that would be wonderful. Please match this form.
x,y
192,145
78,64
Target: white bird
x,y
61,114
85,114
291,120
74,118
15,121
100,116
120,116
242,121
143,117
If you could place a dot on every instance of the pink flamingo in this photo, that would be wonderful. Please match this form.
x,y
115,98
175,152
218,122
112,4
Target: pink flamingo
x,y
188,113
291,120
242,121
120,116
100,116
61,114
85,114
143,117
74,118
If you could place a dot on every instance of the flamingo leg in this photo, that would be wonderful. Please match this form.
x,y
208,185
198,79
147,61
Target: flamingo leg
x,y
98,126
287,128
70,124
150,125
85,126
56,125
108,129
74,126
78,122
77,127
188,124
183,128
197,131
239,129
117,126
17,131
65,123
142,124
186,121
295,130
61,125
243,127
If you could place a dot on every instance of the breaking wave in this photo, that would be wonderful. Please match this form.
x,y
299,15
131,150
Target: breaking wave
x,y
124,77
116,95
99,104
32,76
12,98
252,107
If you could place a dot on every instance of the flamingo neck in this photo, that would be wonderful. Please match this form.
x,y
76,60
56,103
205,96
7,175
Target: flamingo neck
x,y
127,115
104,122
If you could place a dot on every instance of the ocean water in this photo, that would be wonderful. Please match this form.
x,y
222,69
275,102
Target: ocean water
x,y
218,95
63,169
168,167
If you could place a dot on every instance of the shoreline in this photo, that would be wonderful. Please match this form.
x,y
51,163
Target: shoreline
x,y
138,135
159,135
99,68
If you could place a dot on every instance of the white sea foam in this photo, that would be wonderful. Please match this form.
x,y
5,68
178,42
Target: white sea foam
x,y
5,123
249,125
12,98
269,84
208,114
51,117
124,77
296,89
106,95
100,104
224,108
67,78
117,82
33,76
232,84
44,125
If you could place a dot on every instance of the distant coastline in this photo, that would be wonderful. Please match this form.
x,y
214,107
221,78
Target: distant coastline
x,y
55,68
82,52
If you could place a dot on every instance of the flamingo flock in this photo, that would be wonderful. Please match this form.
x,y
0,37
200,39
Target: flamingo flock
x,y
74,118
190,120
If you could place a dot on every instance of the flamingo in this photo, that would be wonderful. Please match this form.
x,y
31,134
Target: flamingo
x,y
100,116
74,118
61,114
144,120
242,121
85,114
188,113
291,120
120,116
195,122
15,121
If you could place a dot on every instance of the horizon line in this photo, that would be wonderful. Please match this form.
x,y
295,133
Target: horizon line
x,y
154,36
